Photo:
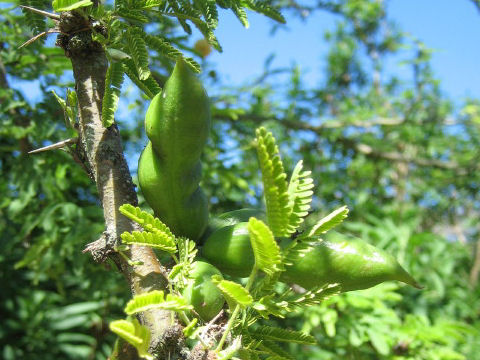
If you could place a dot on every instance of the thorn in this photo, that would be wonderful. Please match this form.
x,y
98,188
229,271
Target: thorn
x,y
36,37
41,12
57,145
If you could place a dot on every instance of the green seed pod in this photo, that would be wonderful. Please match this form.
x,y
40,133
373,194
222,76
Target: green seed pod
x,y
240,215
230,250
169,170
202,293
231,218
350,262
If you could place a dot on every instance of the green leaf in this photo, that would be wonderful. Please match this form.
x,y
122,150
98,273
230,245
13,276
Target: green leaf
x,y
69,106
148,221
275,351
35,21
145,4
233,292
135,334
300,195
156,240
117,55
379,341
190,328
186,250
138,51
265,249
297,249
176,270
156,300
153,3
133,15
284,335
274,184
164,47
210,13
269,305
328,222
241,15
68,5
313,296
203,27
149,86
262,7
113,85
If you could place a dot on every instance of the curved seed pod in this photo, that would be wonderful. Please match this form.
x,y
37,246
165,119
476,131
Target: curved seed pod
x,y
240,215
202,293
169,170
231,218
350,262
230,250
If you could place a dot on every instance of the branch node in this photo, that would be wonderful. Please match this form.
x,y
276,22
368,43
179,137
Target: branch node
x,y
100,249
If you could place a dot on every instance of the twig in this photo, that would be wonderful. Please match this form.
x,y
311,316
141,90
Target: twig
x,y
209,326
476,266
54,17
58,145
36,37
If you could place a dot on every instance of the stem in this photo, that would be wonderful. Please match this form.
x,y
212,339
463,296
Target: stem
x,y
174,258
232,319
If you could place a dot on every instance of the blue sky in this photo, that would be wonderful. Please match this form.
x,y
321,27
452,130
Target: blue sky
x,y
451,28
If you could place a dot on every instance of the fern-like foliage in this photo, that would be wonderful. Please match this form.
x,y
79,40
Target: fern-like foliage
x,y
177,9
148,221
143,4
234,293
274,184
274,350
255,349
240,14
69,107
283,335
276,305
35,21
201,25
156,240
297,249
138,51
187,252
135,334
269,305
113,85
165,48
265,249
135,16
328,222
311,297
210,13
149,86
262,7
156,300
300,195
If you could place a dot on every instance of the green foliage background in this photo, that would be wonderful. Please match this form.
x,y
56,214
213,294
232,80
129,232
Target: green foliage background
x,y
400,155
